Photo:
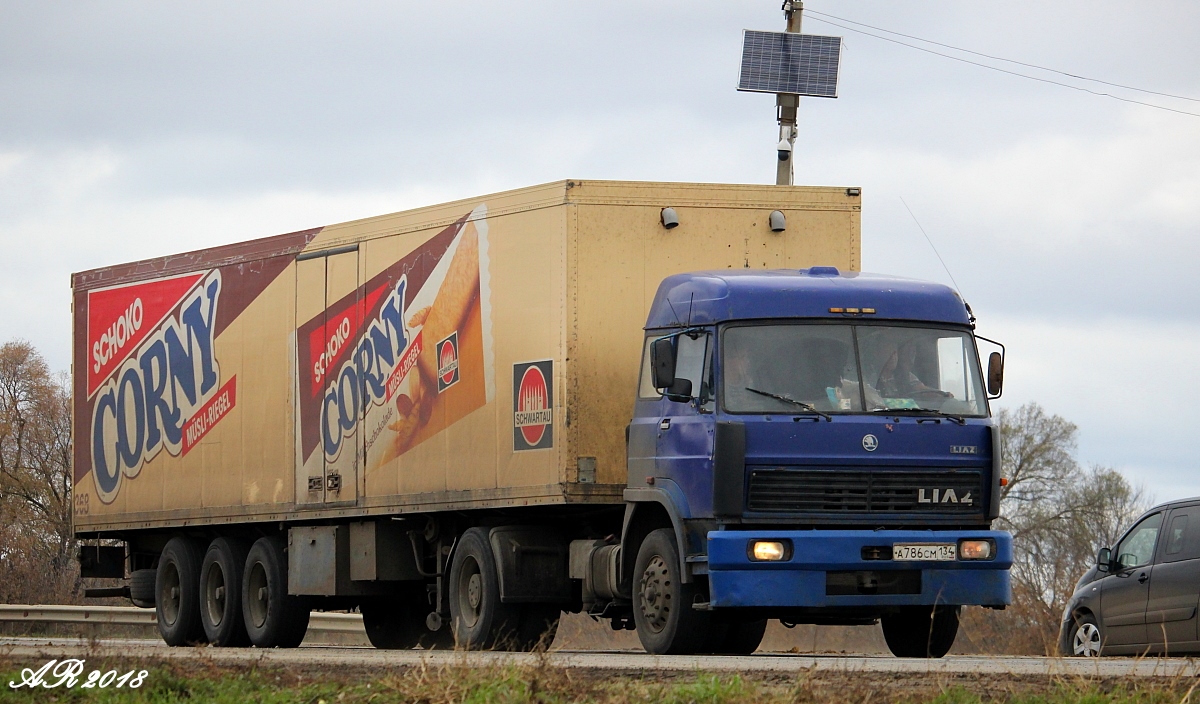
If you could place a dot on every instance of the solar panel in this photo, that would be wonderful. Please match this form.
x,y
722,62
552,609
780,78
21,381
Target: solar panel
x,y
784,62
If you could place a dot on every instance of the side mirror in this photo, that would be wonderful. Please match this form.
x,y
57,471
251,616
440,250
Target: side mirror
x,y
662,362
680,391
1104,560
995,377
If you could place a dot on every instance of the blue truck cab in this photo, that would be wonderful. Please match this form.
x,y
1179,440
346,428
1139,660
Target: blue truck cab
x,y
822,447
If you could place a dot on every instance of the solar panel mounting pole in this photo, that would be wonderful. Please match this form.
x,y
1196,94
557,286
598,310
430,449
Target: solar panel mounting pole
x,y
786,105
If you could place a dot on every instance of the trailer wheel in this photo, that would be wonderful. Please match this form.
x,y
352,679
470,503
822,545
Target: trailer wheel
x,y
478,618
662,610
921,631
273,618
142,588
398,622
177,593
731,636
221,593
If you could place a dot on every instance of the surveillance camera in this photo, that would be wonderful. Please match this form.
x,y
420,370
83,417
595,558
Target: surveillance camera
x,y
669,219
784,148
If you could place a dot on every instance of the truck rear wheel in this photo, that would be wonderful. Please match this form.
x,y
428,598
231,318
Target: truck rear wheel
x,y
221,593
478,618
273,618
398,622
921,631
177,593
662,610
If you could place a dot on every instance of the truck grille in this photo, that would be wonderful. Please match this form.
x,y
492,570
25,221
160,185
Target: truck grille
x,y
858,491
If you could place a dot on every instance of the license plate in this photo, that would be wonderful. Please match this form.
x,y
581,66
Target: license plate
x,y
930,552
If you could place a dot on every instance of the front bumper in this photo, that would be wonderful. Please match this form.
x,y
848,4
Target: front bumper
x,y
735,580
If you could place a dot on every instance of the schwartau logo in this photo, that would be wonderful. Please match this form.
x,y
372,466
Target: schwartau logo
x,y
533,405
447,355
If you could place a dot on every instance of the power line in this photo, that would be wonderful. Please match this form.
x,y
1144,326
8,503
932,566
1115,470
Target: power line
x,y
1011,61
1011,73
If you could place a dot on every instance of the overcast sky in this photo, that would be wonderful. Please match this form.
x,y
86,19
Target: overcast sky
x,y
1070,221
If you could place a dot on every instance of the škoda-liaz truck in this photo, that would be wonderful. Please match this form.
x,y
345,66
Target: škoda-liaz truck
x,y
675,407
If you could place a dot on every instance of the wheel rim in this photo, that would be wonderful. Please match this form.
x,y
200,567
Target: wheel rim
x,y
470,592
215,594
1087,640
654,594
259,596
169,594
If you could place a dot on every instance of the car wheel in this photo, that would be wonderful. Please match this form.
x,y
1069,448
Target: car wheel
x,y
1086,640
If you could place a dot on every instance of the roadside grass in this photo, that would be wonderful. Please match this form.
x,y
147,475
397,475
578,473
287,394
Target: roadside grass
x,y
193,682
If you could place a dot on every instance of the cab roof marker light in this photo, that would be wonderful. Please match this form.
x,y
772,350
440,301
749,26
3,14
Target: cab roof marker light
x,y
837,310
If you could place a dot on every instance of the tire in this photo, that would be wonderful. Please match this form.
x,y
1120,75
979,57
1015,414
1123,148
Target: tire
x,y
478,619
221,593
921,631
539,624
1085,640
141,588
662,609
398,622
177,593
273,618
731,636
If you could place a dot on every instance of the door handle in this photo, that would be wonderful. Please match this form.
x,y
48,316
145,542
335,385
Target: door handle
x,y
664,424
1143,577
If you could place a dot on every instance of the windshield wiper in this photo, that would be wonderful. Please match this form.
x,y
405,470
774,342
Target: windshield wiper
x,y
806,406
951,416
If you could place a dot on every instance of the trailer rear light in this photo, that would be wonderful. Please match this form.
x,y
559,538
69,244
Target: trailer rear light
x,y
770,550
976,549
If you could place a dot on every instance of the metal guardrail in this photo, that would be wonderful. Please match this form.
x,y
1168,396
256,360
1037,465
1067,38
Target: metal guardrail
x,y
133,616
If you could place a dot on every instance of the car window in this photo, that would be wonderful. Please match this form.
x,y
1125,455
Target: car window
x,y
1137,548
1182,538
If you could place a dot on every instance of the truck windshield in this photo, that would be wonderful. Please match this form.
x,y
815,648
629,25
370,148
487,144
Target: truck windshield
x,y
846,368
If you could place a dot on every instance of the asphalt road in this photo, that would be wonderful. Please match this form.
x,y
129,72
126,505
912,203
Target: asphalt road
x,y
38,650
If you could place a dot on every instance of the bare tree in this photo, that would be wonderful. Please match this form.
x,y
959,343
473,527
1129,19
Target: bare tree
x,y
35,477
1059,514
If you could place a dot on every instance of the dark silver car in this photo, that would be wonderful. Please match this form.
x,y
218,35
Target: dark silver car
x,y
1142,595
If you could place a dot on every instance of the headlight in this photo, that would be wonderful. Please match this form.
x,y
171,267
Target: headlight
x,y
770,550
976,550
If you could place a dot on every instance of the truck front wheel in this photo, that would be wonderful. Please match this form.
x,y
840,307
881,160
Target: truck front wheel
x,y
921,631
273,618
662,610
177,593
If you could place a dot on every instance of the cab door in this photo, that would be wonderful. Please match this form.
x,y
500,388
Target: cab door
x,y
1126,591
684,444
1175,589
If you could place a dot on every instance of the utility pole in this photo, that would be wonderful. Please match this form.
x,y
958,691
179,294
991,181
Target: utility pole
x,y
786,105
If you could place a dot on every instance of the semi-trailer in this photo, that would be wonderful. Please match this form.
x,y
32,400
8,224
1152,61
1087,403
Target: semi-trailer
x,y
675,407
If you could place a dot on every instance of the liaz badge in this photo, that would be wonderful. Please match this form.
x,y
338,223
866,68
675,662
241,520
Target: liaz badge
x,y
533,405
447,356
